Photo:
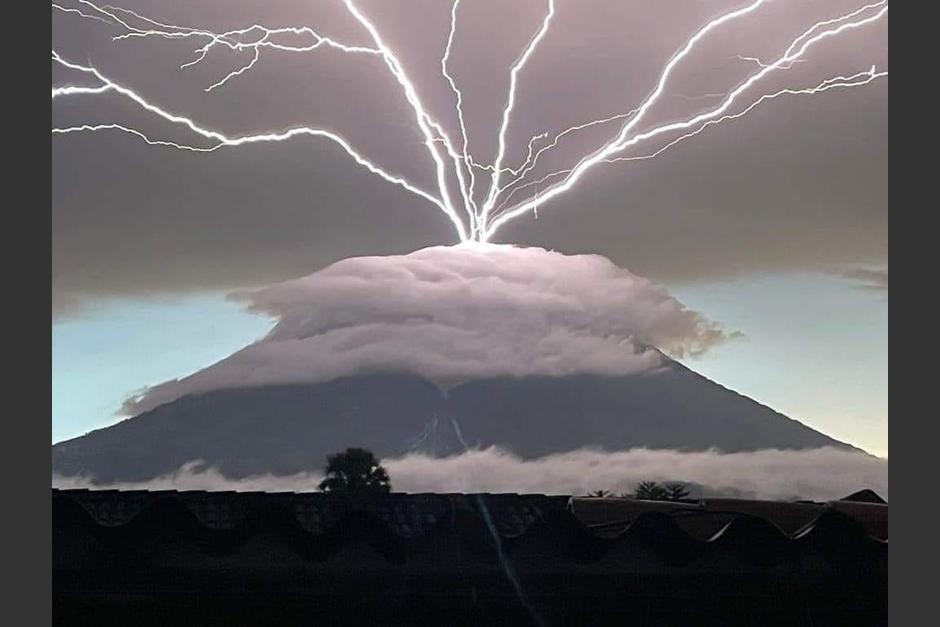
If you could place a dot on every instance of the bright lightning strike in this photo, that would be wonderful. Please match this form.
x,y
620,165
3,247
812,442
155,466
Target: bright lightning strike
x,y
458,95
71,90
625,140
454,166
507,110
219,139
856,80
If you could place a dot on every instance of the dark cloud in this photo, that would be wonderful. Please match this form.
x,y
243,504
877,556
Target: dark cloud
x,y
801,183
453,314
820,474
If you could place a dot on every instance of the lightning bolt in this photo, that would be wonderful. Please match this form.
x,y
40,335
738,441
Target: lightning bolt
x,y
454,166
530,163
856,80
79,12
442,201
624,140
424,120
71,90
504,560
759,63
221,139
229,39
458,103
507,110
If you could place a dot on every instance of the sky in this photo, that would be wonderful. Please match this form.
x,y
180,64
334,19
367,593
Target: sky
x,y
119,347
820,357
815,348
774,225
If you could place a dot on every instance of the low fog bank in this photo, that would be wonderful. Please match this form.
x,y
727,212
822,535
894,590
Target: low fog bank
x,y
818,474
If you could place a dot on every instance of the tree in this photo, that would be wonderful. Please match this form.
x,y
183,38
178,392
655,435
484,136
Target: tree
x,y
650,491
676,491
601,494
355,470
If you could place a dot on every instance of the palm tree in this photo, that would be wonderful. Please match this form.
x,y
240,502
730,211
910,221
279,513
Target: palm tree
x,y
650,491
355,470
676,491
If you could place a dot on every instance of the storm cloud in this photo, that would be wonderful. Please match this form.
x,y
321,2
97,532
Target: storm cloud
x,y
799,184
453,314
818,474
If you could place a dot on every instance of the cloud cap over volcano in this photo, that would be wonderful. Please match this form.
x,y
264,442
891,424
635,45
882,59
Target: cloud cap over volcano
x,y
453,314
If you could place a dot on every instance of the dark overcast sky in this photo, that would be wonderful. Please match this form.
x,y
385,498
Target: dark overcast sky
x,y
768,224
801,183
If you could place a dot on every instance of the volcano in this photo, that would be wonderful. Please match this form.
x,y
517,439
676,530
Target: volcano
x,y
288,428
438,351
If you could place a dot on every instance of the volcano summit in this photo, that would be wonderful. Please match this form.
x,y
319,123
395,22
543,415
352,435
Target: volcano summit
x,y
442,349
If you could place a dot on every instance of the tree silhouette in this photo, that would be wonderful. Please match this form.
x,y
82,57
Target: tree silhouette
x,y
355,470
602,494
676,491
650,491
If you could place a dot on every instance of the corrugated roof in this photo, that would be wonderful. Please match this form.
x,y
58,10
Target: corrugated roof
x,y
410,517
501,555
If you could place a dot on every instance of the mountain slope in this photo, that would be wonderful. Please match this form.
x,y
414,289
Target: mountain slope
x,y
288,428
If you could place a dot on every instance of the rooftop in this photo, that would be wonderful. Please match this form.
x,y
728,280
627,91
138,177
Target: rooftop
x,y
528,556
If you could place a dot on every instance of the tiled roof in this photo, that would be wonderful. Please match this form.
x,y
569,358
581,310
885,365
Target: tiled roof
x,y
408,518
703,519
493,547
406,515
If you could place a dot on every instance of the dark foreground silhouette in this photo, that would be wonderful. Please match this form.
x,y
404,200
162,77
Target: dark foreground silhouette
x,y
203,558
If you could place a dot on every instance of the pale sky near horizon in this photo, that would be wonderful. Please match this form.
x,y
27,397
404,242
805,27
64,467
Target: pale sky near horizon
x,y
815,349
